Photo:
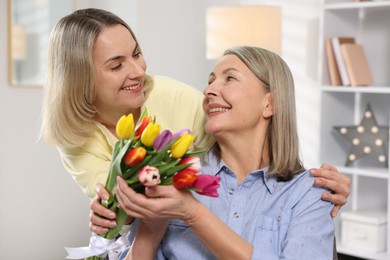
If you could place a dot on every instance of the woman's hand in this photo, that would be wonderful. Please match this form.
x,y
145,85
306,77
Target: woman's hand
x,y
101,218
328,177
158,203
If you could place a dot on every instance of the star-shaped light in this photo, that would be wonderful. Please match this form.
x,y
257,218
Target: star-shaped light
x,y
367,138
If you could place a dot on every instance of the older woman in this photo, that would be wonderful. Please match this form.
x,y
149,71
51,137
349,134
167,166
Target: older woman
x,y
268,206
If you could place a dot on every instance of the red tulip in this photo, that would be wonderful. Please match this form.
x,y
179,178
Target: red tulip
x,y
142,125
184,179
134,156
207,185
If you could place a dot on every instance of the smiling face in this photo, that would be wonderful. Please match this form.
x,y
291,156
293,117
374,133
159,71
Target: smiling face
x,y
235,101
119,70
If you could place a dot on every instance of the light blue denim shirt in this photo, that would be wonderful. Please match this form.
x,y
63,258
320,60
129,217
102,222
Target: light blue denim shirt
x,y
282,220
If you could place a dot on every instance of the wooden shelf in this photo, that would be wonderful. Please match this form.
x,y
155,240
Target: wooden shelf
x,y
356,5
381,173
368,89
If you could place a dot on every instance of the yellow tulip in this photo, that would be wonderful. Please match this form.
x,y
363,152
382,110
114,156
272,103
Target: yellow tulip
x,y
125,126
150,133
180,147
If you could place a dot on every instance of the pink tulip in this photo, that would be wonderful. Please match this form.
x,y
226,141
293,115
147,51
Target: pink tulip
x,y
149,176
194,161
207,185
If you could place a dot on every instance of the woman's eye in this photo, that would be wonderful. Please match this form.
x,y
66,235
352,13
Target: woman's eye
x,y
229,78
117,67
137,54
210,81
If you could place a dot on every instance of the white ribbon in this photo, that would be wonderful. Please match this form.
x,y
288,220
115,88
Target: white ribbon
x,y
99,246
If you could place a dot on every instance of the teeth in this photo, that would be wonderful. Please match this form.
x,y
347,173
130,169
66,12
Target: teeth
x,y
130,88
217,109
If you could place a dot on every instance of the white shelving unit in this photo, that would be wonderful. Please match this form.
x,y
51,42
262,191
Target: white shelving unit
x,y
369,23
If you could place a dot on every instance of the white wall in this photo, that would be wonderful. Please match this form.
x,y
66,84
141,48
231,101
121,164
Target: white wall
x,y
41,208
176,48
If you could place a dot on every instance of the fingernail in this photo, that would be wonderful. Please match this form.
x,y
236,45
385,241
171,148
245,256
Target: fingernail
x,y
111,215
112,223
119,181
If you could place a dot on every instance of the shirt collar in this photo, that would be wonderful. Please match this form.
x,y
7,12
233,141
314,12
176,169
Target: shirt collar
x,y
216,167
269,180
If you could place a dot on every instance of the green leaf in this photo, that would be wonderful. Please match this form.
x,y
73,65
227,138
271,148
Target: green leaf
x,y
177,168
163,167
195,153
167,181
158,157
115,168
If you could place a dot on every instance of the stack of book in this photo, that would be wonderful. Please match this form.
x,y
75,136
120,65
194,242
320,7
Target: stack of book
x,y
347,62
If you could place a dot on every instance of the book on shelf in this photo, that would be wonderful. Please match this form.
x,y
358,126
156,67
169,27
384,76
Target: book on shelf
x,y
333,70
336,44
356,64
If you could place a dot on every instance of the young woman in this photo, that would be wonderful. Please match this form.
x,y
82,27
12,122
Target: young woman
x,y
96,74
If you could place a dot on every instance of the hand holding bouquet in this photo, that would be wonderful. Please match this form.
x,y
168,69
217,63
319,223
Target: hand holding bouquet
x,y
146,156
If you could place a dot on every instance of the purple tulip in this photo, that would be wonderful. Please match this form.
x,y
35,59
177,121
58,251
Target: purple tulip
x,y
180,133
162,140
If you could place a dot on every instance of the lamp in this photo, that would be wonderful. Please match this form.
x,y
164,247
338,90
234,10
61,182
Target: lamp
x,y
244,25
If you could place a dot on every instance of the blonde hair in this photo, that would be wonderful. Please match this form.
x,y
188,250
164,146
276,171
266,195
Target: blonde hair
x,y
282,131
68,105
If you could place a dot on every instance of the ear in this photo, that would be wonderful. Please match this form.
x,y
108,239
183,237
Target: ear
x,y
268,110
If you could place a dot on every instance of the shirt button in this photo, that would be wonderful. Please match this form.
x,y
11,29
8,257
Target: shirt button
x,y
236,215
231,191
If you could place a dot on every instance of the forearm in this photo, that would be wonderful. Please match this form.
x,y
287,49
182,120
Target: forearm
x,y
147,241
219,238
86,169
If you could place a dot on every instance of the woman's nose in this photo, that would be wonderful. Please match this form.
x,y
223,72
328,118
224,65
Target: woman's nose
x,y
135,70
211,90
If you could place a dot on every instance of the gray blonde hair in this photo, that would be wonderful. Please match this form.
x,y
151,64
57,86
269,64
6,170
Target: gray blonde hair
x,y
282,131
68,110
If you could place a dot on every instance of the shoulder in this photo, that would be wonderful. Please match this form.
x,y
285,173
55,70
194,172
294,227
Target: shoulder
x,y
304,191
100,144
304,182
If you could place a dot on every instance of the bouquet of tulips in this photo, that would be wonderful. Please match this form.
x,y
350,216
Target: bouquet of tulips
x,y
146,156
